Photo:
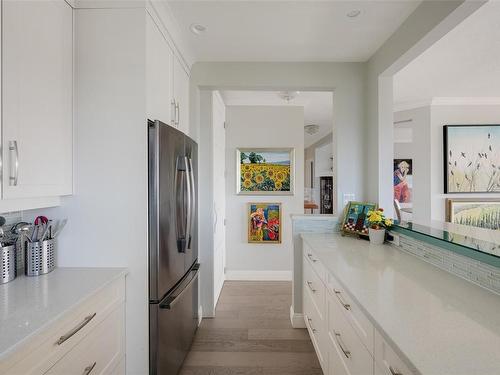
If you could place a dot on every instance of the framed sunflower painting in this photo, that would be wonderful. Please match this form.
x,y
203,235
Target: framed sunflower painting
x,y
265,171
264,223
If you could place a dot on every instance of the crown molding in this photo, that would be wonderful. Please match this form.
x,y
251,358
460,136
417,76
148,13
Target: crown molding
x,y
466,101
404,106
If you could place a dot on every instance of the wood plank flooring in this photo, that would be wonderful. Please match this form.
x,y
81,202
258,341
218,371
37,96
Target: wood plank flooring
x,y
252,335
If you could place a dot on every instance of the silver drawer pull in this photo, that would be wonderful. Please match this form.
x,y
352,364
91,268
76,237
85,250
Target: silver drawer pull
x,y
309,284
310,256
394,371
68,335
310,325
89,369
339,296
338,338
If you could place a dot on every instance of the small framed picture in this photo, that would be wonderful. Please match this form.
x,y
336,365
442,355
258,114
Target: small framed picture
x,y
356,218
476,212
264,223
263,171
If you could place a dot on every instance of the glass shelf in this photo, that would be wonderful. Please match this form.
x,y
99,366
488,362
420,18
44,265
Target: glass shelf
x,y
477,243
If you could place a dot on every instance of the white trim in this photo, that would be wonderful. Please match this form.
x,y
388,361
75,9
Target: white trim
x,y
259,275
404,106
466,101
297,319
200,314
11,205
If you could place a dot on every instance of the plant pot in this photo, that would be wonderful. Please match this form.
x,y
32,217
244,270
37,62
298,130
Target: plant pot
x,y
377,236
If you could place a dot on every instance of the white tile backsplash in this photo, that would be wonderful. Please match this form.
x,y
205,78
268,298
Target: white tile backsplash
x,y
469,269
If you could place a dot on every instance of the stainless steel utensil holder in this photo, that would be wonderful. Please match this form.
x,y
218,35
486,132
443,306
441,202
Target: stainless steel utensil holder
x,y
8,255
40,257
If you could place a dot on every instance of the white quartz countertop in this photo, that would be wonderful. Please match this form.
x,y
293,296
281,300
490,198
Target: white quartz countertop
x,y
28,304
441,323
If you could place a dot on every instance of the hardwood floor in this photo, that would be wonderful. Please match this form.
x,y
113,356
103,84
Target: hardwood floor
x,y
252,335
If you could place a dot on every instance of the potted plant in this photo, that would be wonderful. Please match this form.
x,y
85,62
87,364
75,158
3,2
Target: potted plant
x,y
378,225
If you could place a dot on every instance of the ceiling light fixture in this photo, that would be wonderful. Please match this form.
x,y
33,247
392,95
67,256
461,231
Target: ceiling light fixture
x,y
353,13
311,129
197,29
287,96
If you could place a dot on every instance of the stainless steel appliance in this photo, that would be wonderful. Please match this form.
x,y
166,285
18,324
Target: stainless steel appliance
x,y
173,247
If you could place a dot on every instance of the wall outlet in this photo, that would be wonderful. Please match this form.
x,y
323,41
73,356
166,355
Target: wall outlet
x,y
395,238
347,197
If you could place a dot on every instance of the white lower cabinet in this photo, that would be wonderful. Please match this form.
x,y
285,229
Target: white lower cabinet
x,y
89,339
350,354
345,340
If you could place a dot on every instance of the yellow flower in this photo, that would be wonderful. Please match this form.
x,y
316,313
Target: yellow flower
x,y
280,176
246,167
247,175
259,178
278,185
247,183
270,173
388,222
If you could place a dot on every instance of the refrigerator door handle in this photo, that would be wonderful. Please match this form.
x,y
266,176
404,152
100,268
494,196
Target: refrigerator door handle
x,y
192,201
171,300
189,205
183,211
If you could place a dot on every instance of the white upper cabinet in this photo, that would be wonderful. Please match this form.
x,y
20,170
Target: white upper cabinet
x,y
159,70
37,98
181,97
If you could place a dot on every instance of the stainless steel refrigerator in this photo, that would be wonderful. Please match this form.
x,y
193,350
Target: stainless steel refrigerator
x,y
173,247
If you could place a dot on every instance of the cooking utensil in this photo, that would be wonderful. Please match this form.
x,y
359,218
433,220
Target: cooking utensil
x,y
59,227
45,231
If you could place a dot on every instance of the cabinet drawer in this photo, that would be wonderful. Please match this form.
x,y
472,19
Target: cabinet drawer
x,y
314,261
99,352
387,361
351,354
313,286
363,327
317,331
39,354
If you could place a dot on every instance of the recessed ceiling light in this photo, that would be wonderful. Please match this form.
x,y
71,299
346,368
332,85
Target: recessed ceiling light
x,y
353,13
311,129
287,96
197,29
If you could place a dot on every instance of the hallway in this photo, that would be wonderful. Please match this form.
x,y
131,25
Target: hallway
x,y
252,334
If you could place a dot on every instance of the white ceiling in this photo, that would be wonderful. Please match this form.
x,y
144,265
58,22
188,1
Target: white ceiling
x,y
289,30
318,107
464,63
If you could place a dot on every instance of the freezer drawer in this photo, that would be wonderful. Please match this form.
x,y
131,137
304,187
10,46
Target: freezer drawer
x,y
173,323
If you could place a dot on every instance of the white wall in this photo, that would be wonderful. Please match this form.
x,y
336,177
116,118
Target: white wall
x,y
427,24
419,150
107,215
346,80
426,150
453,115
261,126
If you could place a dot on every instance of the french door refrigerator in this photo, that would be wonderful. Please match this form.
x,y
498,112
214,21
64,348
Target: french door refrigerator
x,y
173,247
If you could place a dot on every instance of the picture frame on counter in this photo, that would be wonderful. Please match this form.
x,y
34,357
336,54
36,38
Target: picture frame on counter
x,y
265,171
355,221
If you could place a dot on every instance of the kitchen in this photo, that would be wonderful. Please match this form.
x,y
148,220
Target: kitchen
x,y
102,70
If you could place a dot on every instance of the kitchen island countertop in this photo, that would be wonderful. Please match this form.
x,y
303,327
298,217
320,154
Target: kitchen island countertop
x,y
439,322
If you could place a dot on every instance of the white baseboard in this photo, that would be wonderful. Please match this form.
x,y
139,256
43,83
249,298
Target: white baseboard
x,y
297,319
259,275
200,314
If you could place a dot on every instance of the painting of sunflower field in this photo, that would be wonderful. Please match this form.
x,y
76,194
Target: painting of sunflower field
x,y
265,171
264,223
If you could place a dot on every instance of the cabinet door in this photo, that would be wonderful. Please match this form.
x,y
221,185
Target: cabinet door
x,y
181,95
37,98
159,59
